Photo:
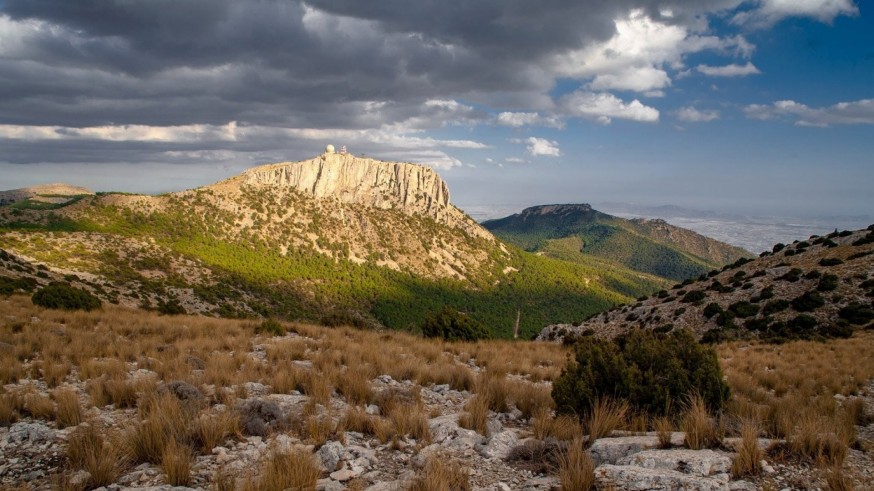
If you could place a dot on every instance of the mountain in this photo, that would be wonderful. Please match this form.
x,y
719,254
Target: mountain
x,y
336,239
579,233
43,196
818,288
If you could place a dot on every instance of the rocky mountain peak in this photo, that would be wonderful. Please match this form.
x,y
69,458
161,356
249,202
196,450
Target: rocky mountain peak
x,y
414,189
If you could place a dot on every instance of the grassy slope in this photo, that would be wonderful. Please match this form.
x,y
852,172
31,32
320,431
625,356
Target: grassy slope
x,y
307,285
586,234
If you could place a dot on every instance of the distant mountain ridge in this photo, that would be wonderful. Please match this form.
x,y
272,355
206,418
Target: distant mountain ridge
x,y
578,232
43,192
335,238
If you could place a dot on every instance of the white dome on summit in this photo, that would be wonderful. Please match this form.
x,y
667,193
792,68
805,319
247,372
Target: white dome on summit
x,y
329,149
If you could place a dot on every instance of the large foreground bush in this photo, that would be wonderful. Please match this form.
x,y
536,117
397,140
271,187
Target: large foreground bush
x,y
654,372
57,295
452,325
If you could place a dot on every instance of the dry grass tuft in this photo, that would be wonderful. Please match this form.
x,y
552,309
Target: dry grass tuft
x,y
8,409
176,461
701,428
748,461
576,470
211,429
529,398
105,458
164,423
607,415
477,415
39,406
821,440
495,389
69,411
295,470
663,426
563,427
354,385
116,390
836,480
442,474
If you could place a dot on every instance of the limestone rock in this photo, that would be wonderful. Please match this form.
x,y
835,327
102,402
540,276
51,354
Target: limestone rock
x,y
634,478
693,462
611,450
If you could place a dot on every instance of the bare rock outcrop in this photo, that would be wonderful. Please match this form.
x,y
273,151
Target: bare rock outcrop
x,y
412,188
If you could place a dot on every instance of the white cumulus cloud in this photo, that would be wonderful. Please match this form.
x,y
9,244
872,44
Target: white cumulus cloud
x,y
539,146
691,115
854,112
639,54
733,70
768,12
603,106
519,119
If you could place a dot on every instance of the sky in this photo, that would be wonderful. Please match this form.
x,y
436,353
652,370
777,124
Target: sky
x,y
737,106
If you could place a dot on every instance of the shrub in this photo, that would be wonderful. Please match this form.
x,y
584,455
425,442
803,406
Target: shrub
x,y
830,261
259,418
744,309
802,323
171,307
63,296
270,326
712,309
8,285
857,313
452,325
775,306
792,275
651,371
693,296
808,302
827,283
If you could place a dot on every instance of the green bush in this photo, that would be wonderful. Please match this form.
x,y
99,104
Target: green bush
x,y
857,313
8,285
693,296
58,295
171,307
775,306
712,309
654,372
453,325
744,309
270,326
802,323
830,261
827,283
808,302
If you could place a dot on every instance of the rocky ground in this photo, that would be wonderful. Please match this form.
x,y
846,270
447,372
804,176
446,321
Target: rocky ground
x,y
33,451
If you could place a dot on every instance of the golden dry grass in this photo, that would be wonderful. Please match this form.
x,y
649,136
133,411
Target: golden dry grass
x,y
296,470
576,470
441,474
702,429
749,456
607,415
103,454
176,461
68,411
476,416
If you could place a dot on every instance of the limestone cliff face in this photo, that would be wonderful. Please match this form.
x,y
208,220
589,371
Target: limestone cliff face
x,y
412,188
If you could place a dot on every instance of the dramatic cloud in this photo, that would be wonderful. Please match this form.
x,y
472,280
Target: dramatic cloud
x,y
770,11
539,147
856,112
639,53
729,70
603,106
692,115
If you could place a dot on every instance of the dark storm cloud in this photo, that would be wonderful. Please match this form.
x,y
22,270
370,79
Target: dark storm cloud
x,y
344,64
